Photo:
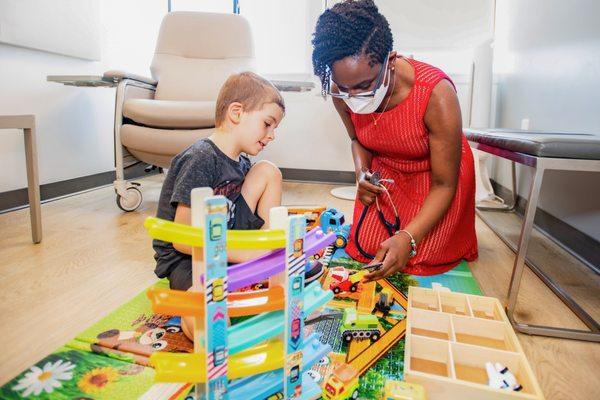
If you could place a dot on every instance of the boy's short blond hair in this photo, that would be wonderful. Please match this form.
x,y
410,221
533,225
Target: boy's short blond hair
x,y
249,89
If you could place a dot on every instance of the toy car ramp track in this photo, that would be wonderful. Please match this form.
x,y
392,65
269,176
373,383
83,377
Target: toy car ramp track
x,y
247,273
173,232
263,326
175,302
268,356
250,272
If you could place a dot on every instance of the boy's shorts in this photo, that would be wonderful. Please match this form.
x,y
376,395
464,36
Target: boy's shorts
x,y
244,218
180,277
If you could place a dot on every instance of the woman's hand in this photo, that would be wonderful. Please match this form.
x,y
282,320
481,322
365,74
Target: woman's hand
x,y
393,253
366,190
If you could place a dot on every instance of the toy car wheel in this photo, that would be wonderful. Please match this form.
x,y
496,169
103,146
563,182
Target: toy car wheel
x,y
131,201
336,290
354,287
354,394
340,242
375,337
347,337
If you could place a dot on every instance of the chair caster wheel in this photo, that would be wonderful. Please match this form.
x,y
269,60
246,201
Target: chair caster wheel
x,y
130,202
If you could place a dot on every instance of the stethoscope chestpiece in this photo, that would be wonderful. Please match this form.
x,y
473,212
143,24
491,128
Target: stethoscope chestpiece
x,y
375,178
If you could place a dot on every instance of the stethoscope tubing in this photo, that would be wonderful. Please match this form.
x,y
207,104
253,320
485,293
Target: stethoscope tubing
x,y
391,228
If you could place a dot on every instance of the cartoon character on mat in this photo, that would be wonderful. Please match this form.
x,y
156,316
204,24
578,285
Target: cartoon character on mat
x,y
157,333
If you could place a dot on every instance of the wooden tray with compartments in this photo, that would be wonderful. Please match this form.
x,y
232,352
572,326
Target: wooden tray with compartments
x,y
449,338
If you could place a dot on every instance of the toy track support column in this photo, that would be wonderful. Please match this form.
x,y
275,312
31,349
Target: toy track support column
x,y
209,275
295,229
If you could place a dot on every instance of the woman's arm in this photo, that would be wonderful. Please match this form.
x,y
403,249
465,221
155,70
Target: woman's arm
x,y
443,120
361,156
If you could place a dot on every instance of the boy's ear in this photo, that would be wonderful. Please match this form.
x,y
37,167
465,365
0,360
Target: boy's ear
x,y
234,112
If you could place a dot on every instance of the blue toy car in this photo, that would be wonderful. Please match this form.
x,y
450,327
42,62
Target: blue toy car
x,y
333,220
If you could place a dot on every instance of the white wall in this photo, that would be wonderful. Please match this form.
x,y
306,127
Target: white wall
x,y
69,27
438,24
281,34
547,62
75,134
312,136
75,124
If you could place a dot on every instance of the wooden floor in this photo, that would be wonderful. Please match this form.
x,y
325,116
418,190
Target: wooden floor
x,y
94,257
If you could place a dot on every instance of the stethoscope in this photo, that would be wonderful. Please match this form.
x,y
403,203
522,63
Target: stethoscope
x,y
390,227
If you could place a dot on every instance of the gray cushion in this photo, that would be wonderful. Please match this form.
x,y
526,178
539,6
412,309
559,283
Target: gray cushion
x,y
540,144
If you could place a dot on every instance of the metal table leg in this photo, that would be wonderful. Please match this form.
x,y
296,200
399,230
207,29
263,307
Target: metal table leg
x,y
517,274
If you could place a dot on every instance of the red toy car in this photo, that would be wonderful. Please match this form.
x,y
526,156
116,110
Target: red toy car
x,y
343,286
341,281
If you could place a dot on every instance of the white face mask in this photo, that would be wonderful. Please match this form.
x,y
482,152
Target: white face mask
x,y
368,105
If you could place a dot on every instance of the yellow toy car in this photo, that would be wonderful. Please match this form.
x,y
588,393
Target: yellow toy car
x,y
342,384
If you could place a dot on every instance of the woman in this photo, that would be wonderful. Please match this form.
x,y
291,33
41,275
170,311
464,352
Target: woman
x,y
404,121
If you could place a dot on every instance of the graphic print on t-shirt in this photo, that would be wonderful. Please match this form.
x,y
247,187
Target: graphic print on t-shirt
x,y
231,190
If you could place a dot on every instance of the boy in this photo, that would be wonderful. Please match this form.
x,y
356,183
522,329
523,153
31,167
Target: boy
x,y
248,110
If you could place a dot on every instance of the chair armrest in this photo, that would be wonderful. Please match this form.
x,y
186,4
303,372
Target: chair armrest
x,y
293,86
128,88
118,75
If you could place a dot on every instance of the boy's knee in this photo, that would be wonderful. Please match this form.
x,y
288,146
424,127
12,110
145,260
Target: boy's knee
x,y
187,326
267,168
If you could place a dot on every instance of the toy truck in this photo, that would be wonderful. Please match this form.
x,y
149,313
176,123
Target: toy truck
x,y
384,302
344,281
333,220
312,214
342,384
356,325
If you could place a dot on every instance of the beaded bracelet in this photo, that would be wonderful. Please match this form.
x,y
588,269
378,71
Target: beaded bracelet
x,y
413,243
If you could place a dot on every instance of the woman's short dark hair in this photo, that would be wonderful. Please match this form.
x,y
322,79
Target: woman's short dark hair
x,y
350,28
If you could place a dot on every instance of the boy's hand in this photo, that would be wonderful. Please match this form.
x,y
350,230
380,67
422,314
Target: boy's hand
x,y
366,190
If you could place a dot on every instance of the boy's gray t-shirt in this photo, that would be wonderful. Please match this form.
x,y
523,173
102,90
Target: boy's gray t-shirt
x,y
202,164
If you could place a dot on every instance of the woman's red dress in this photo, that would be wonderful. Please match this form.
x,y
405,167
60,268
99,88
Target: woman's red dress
x,y
399,142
